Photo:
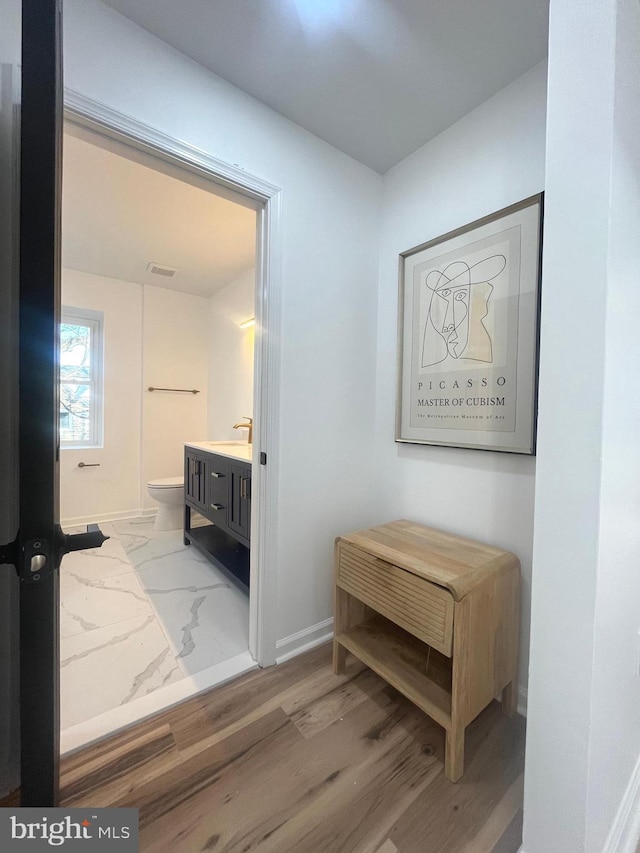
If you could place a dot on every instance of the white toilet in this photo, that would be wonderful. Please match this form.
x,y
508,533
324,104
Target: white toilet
x,y
169,493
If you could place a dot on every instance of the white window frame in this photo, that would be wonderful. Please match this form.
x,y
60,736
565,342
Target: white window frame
x,y
95,320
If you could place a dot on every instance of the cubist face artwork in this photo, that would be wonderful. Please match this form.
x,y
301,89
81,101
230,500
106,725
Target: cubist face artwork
x,y
458,303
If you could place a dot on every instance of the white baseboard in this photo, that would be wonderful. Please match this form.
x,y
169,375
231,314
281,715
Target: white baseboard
x,y
625,831
108,516
304,641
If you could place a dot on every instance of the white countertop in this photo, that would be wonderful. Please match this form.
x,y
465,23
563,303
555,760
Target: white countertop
x,y
232,449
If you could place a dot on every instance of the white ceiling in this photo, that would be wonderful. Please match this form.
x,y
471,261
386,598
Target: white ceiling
x,y
375,78
122,210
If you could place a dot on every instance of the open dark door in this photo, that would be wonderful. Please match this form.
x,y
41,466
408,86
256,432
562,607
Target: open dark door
x,y
40,544
37,563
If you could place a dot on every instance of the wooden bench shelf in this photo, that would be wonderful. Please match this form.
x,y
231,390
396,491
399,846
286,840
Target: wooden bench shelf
x,y
436,615
400,659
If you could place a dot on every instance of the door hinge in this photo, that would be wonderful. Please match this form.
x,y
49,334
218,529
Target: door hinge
x,y
263,458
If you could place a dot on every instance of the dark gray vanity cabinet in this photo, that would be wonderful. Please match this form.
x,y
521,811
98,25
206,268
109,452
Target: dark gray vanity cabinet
x,y
239,515
218,488
218,482
195,480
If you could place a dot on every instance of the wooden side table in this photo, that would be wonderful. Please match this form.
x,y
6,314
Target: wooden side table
x,y
436,615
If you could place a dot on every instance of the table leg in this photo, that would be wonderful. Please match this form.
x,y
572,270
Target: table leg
x,y
339,658
454,753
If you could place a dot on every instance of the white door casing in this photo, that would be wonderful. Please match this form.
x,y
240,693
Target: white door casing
x,y
267,198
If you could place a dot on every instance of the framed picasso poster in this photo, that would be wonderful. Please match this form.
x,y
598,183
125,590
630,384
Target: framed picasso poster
x,y
468,334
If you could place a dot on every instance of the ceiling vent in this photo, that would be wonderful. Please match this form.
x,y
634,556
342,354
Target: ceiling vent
x,y
156,269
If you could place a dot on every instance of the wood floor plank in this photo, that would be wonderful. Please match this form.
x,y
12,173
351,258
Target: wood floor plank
x,y
121,767
270,787
211,720
387,847
453,813
358,820
288,791
500,818
202,723
511,838
248,697
249,750
318,714
314,763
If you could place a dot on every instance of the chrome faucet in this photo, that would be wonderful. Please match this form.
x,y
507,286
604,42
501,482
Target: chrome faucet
x,y
248,426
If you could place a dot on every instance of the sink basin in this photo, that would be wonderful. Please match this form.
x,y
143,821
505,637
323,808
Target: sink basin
x,y
233,449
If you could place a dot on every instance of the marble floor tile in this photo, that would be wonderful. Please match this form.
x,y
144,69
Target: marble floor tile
x,y
89,603
108,560
145,545
182,575
205,629
202,612
108,667
142,612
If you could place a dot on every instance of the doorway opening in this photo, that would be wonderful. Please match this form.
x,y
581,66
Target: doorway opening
x,y
163,265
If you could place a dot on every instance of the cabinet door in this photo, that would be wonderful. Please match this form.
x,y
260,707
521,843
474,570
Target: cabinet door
x,y
188,476
195,480
239,518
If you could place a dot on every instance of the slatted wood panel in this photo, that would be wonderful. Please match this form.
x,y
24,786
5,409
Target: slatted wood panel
x,y
423,609
452,561
293,759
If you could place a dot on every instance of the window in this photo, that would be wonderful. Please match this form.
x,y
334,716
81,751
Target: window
x,y
81,378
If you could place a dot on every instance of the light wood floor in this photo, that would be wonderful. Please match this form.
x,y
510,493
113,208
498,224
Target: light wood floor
x,y
293,759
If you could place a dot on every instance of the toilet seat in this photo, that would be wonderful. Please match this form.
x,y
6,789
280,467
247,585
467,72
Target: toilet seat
x,y
167,483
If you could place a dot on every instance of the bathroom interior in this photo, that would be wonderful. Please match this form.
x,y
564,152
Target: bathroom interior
x,y
158,292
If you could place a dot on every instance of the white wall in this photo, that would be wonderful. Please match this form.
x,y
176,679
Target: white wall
x,y
175,355
231,358
491,158
153,336
583,735
113,488
615,697
11,15
328,256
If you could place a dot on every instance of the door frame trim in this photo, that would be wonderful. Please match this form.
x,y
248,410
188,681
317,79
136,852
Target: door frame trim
x,y
96,116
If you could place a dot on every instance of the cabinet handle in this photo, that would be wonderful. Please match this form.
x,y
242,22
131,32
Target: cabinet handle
x,y
217,506
216,474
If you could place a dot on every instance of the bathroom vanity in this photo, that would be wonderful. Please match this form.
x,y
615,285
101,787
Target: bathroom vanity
x,y
217,486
